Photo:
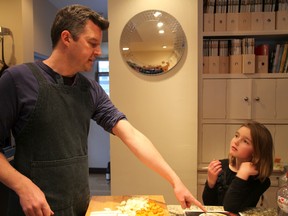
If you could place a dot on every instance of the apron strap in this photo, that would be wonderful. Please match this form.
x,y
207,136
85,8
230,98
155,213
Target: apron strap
x,y
35,70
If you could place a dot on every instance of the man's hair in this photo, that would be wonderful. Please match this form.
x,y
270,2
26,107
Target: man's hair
x,y
73,18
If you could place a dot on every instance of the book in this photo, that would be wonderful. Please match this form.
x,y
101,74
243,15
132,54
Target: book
x,y
236,47
286,65
279,58
276,57
262,49
283,58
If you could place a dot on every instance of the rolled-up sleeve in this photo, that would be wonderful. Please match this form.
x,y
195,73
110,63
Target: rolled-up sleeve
x,y
8,108
105,112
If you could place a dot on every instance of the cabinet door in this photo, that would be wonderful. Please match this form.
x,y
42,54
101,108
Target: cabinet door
x,y
213,145
263,99
239,98
281,99
280,142
201,184
270,194
214,98
230,133
269,198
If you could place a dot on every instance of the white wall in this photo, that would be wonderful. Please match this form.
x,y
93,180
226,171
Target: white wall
x,y
163,107
98,138
44,14
17,15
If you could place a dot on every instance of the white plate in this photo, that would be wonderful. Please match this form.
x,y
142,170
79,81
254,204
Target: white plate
x,y
105,213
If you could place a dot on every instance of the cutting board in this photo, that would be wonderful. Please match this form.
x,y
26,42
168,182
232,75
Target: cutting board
x,y
100,203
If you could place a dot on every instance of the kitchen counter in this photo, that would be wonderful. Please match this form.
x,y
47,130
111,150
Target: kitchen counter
x,y
176,210
110,203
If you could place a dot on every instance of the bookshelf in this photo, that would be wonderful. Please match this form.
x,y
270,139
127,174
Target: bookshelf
x,y
233,89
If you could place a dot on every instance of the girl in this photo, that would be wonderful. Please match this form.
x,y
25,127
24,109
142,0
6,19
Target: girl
x,y
238,182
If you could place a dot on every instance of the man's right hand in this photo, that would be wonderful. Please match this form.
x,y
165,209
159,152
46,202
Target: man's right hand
x,y
33,200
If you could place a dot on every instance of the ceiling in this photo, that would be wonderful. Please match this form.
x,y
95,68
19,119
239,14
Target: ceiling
x,y
100,6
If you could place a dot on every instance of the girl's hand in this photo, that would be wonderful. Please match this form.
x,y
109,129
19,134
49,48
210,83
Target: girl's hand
x,y
214,169
247,169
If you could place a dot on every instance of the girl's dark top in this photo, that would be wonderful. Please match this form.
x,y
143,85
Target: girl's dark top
x,y
234,193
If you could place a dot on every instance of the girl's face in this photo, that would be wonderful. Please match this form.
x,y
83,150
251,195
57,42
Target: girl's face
x,y
241,146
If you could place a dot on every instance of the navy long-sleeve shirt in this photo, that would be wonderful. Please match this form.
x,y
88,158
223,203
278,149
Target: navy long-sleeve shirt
x,y
19,92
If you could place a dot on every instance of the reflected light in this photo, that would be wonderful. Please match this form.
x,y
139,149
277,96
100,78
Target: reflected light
x,y
160,24
164,47
161,31
157,14
125,48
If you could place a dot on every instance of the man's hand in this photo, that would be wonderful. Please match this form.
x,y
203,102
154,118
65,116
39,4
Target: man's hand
x,y
185,198
33,200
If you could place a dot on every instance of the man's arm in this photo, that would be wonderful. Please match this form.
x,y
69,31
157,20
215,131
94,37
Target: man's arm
x,y
32,199
142,147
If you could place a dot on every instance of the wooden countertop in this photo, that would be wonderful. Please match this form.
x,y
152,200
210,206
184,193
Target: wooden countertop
x,y
176,210
100,203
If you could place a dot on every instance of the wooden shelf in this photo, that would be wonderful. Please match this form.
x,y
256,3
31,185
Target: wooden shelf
x,y
266,34
246,76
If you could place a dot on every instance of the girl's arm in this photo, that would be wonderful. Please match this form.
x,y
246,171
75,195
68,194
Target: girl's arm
x,y
242,194
210,195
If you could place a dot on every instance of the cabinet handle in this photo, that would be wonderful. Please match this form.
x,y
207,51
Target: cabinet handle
x,y
257,99
246,98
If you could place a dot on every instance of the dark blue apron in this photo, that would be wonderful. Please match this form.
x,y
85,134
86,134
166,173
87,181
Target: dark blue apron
x,y
51,150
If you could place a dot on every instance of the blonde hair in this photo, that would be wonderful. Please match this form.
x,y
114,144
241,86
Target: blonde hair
x,y
263,147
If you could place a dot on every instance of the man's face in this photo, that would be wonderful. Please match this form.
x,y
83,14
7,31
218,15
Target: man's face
x,y
84,51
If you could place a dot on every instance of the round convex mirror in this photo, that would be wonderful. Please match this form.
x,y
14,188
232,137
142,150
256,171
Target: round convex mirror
x,y
152,42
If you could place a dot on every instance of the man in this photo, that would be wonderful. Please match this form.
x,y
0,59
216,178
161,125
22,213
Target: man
x,y
48,106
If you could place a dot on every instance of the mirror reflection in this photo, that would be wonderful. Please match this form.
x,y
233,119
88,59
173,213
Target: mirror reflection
x,y
152,42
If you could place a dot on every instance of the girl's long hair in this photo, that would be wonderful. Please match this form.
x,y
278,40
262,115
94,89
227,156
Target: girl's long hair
x,y
263,149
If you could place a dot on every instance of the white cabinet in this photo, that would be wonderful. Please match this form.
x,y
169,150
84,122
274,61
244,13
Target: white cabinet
x,y
251,99
242,99
213,145
228,97
238,99
215,142
263,99
281,142
282,99
214,98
